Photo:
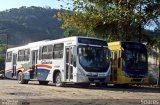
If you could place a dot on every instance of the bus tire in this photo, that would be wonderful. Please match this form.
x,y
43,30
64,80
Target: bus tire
x,y
43,82
58,80
21,80
85,85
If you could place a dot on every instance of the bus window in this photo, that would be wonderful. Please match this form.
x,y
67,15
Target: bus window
x,y
26,55
73,60
21,55
50,52
9,57
58,51
119,59
46,52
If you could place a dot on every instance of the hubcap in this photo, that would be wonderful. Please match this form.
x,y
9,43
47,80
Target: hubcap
x,y
58,79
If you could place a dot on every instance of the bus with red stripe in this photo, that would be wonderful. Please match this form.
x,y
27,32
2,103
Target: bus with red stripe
x,y
77,59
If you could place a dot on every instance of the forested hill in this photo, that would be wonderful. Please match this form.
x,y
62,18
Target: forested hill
x,y
27,24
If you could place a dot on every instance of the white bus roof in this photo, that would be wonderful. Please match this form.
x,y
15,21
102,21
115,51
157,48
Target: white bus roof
x,y
45,42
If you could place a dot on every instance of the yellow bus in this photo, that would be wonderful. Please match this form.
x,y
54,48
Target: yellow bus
x,y
129,63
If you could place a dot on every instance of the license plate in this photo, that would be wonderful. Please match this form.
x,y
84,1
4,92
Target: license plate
x,y
101,75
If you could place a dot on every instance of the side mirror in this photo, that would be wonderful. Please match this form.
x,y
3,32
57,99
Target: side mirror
x,y
73,50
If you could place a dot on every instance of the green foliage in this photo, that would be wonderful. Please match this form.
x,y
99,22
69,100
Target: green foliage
x,y
72,32
28,24
75,32
2,56
111,19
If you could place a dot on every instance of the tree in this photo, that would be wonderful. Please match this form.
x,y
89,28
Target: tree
x,y
71,32
2,56
111,19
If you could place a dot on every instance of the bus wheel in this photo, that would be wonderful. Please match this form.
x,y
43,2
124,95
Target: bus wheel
x,y
21,80
43,82
58,80
85,85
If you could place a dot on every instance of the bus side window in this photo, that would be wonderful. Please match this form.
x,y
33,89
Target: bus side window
x,y
115,58
26,54
73,58
21,55
44,52
50,51
8,56
119,59
58,51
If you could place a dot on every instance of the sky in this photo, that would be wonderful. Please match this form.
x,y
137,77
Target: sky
x,y
8,4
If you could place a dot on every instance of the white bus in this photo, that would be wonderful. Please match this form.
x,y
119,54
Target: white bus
x,y
68,60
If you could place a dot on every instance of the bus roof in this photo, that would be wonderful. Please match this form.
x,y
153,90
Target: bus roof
x,y
119,42
45,42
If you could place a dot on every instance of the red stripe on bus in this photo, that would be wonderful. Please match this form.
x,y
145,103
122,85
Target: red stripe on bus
x,y
20,68
8,69
43,65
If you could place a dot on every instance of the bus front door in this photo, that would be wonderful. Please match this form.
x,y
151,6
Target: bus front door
x,y
33,72
114,68
70,65
14,65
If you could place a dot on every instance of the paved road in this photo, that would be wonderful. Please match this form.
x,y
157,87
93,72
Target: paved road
x,y
35,94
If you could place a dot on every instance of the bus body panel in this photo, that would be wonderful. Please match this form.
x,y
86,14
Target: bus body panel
x,y
117,73
34,67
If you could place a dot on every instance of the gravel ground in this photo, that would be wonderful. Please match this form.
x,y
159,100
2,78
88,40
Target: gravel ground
x,y
34,94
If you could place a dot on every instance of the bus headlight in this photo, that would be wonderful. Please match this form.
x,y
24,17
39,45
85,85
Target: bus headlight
x,y
89,74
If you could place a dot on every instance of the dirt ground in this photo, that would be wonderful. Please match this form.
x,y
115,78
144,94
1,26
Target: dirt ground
x,y
12,93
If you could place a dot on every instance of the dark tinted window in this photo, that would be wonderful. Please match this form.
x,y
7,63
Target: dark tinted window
x,y
133,46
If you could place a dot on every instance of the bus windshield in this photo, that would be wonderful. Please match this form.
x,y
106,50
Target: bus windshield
x,y
94,59
134,59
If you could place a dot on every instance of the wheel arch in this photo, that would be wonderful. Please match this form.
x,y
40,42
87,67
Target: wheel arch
x,y
18,72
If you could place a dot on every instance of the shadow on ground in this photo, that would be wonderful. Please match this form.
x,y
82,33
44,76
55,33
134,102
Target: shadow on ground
x,y
131,88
